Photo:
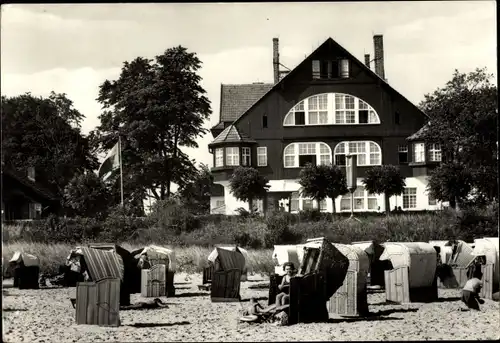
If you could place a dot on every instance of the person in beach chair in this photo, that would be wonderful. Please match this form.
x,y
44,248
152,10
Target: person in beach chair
x,y
283,298
471,290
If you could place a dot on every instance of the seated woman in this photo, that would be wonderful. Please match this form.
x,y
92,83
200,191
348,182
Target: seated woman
x,y
283,298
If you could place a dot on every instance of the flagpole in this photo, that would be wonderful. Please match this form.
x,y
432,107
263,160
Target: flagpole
x,y
121,169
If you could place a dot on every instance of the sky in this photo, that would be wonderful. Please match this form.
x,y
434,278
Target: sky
x,y
73,48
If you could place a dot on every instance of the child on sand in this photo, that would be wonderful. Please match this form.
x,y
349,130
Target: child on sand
x,y
470,292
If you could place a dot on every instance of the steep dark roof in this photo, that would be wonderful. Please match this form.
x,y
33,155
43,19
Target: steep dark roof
x,y
419,134
351,56
40,190
231,134
237,99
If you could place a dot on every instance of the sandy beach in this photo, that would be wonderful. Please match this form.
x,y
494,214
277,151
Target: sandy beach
x,y
47,315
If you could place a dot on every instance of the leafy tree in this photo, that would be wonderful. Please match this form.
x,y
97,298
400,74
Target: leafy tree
x,y
384,179
463,120
320,182
44,133
247,184
196,194
156,107
450,182
87,196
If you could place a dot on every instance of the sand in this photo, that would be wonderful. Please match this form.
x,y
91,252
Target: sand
x,y
47,316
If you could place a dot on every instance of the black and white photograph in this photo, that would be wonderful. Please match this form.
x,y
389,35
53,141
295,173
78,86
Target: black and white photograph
x,y
238,171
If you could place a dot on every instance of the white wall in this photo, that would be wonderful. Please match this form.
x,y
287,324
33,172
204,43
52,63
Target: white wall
x,y
420,183
215,204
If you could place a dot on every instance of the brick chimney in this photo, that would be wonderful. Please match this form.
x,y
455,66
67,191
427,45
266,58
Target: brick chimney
x,y
378,44
276,60
367,60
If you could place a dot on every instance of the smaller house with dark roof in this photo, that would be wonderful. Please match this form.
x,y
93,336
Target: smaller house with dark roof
x,y
327,107
23,198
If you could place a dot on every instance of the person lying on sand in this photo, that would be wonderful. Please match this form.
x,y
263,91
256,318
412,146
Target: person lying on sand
x,y
283,298
470,292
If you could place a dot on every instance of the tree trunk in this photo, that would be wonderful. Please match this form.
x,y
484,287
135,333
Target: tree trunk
x,y
387,205
334,210
453,203
250,204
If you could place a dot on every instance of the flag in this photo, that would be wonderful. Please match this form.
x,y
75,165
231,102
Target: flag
x,y
110,163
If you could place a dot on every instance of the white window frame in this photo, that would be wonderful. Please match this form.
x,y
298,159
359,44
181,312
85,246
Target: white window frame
x,y
403,149
435,152
232,156
310,105
418,152
219,157
293,149
246,156
262,156
369,146
299,200
219,203
359,194
410,193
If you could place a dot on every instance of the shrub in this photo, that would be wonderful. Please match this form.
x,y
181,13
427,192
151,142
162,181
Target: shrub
x,y
119,226
172,216
278,230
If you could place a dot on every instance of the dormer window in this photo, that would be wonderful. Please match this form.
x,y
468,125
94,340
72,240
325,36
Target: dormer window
x,y
330,69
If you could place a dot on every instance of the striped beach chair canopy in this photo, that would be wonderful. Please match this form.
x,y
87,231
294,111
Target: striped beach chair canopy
x,y
103,263
231,258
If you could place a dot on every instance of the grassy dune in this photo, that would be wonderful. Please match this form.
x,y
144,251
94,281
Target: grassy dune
x,y
189,259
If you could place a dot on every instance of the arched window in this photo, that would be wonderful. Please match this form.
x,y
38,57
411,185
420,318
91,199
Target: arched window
x,y
331,109
299,154
368,152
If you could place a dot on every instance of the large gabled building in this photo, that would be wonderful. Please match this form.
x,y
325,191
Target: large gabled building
x,y
328,106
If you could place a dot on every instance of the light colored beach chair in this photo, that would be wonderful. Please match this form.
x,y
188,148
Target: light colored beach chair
x,y
413,277
455,259
154,281
351,299
153,255
488,248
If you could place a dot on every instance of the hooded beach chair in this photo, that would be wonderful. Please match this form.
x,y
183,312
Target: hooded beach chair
x,y
26,269
226,277
377,267
413,275
351,299
98,301
208,271
455,258
488,249
156,280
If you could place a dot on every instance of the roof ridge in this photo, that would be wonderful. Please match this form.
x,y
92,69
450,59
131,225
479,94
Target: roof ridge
x,y
384,82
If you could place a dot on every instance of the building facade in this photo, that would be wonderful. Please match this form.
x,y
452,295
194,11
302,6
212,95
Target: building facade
x,y
330,105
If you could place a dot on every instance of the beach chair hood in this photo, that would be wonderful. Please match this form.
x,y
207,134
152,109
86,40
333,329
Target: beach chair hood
x,y
228,259
419,257
103,264
157,252
28,259
330,261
